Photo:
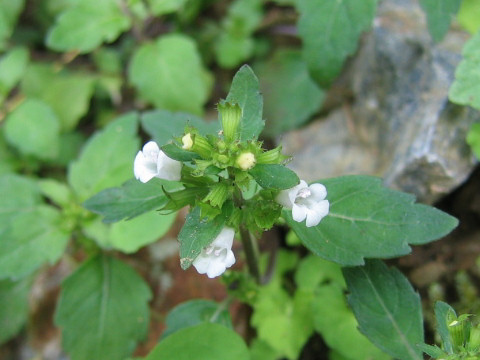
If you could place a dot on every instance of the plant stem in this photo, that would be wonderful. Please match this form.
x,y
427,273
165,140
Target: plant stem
x,y
250,248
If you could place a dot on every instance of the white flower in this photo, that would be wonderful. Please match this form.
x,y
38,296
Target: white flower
x,y
306,202
218,256
152,162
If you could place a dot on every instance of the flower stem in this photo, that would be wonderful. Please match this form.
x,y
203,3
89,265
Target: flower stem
x,y
251,253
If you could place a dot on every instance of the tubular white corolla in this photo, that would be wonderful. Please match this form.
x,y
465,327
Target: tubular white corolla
x,y
306,202
152,162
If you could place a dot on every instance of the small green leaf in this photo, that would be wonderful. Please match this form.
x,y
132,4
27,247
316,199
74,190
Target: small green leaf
x,y
206,341
12,66
196,312
19,195
103,310
465,90
35,236
177,153
33,128
87,24
172,62
244,91
14,309
58,192
197,233
9,12
469,15
290,95
367,220
132,199
441,311
162,7
439,15
274,176
387,308
163,125
433,351
106,159
473,139
330,30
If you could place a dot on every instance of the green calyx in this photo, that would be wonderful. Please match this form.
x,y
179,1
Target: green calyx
x,y
218,194
231,116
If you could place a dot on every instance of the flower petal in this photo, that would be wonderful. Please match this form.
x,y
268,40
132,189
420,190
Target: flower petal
x,y
142,168
283,198
316,213
151,150
319,192
216,268
299,212
202,263
230,259
225,238
167,168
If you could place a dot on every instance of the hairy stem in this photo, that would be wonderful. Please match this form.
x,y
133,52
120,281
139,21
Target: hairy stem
x,y
251,253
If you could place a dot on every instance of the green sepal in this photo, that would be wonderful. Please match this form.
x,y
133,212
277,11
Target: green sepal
x,y
175,152
179,199
202,146
208,211
231,116
262,214
432,351
474,340
190,177
273,156
218,194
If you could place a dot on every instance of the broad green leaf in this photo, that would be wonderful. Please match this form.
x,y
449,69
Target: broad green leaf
x,y
9,161
465,90
196,234
58,192
206,341
35,236
33,128
290,95
330,30
367,220
244,91
67,93
274,176
439,14
87,24
387,308
175,152
9,12
469,15
106,159
314,271
71,144
196,312
103,310
441,311
19,195
260,350
162,7
169,74
129,236
14,309
473,139
163,125
12,66
128,201
334,320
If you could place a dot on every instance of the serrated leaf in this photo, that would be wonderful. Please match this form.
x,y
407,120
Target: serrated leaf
x,y
194,312
163,125
12,66
441,311
330,30
197,233
469,15
439,15
162,7
290,95
367,220
35,236
14,309
206,341
106,159
9,12
133,198
465,90
19,195
387,308
103,310
33,128
274,176
172,62
87,24
244,91
67,93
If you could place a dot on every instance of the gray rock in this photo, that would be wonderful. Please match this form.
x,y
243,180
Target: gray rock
x,y
400,125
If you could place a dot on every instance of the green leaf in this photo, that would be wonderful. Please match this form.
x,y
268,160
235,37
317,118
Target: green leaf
x,y
439,15
132,199
330,30
291,96
469,15
58,192
194,312
274,176
244,91
367,220
206,341
67,93
172,62
9,161
177,153
19,195
473,139
33,128
441,311
162,7
106,159
387,308
433,351
465,90
9,12
87,24
12,66
163,125
14,309
35,236
196,234
314,271
103,310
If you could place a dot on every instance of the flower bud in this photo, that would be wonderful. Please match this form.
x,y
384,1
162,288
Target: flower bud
x,y
231,115
246,161
187,141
